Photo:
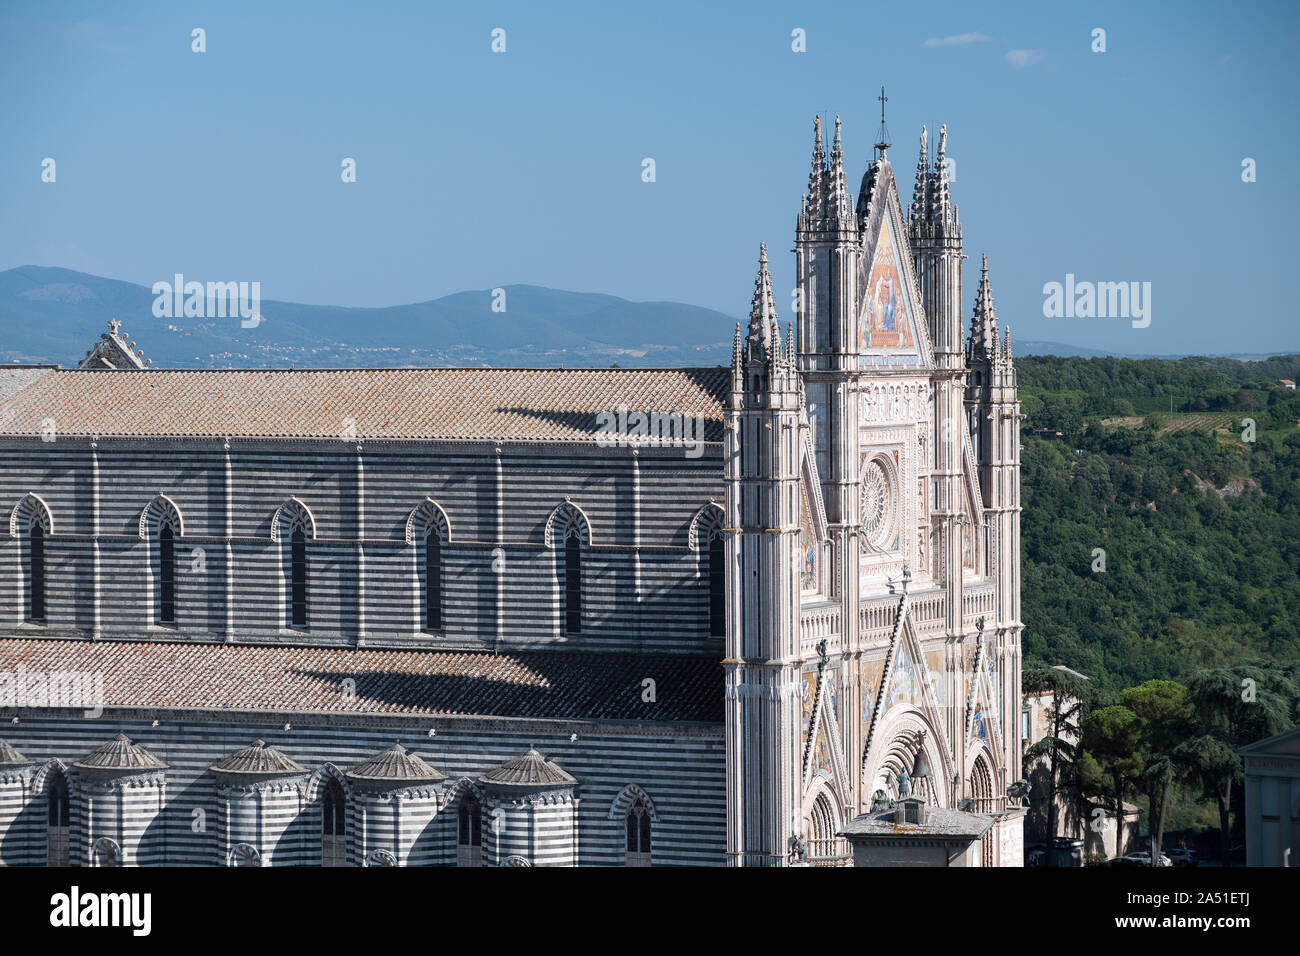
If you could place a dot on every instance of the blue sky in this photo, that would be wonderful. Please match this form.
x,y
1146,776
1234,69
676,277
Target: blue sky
x,y
477,169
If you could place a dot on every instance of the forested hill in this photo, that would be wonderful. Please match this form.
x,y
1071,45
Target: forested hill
x,y
1194,514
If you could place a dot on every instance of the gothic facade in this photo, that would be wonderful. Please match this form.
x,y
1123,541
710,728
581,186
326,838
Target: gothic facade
x,y
444,617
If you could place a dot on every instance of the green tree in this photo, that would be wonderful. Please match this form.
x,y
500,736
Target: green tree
x,y
1165,713
1059,747
1113,737
1234,707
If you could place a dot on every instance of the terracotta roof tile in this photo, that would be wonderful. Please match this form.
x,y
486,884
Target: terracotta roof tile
x,y
560,685
396,403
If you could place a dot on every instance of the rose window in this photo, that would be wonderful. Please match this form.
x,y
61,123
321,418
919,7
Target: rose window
x,y
877,505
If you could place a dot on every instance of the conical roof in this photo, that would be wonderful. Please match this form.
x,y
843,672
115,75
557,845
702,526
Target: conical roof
x,y
529,770
395,763
10,757
120,754
258,760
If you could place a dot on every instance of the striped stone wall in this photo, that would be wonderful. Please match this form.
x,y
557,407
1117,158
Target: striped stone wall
x,y
681,767
643,586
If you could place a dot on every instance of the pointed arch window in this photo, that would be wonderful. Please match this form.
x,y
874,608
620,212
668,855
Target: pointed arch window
x,y
166,574
717,587
161,529
637,827
294,527
432,579
298,578
36,573
469,832
56,799
572,582
334,826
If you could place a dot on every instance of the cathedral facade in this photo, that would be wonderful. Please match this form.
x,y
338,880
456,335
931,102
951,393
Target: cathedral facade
x,y
444,617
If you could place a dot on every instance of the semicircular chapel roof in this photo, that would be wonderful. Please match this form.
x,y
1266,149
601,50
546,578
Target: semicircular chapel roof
x,y
120,753
9,757
528,770
395,763
257,760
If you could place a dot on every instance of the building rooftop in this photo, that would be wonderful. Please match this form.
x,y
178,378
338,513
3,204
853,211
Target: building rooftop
x,y
394,764
257,760
939,824
527,771
9,757
466,404
120,753
557,685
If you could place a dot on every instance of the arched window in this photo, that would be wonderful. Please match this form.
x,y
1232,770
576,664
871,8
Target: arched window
x,y
432,579
161,528
298,578
36,573
166,574
469,835
638,834
293,526
572,582
57,829
334,826
107,852
717,588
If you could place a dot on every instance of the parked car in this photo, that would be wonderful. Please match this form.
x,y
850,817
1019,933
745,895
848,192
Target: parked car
x,y
1143,858
1181,857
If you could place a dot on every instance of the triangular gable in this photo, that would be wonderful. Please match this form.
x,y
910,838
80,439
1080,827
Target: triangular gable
x,y
912,683
891,321
982,720
811,485
825,754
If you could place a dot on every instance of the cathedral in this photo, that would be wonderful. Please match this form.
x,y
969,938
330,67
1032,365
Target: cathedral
x,y
435,617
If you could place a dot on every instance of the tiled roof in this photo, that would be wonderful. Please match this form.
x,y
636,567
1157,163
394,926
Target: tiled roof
x,y
527,770
559,685
395,763
393,403
259,760
120,754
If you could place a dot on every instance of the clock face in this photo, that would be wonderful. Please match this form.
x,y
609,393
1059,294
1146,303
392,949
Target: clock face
x,y
878,509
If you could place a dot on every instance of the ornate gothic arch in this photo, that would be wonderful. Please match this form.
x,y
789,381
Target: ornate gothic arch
x,y
823,808
160,509
565,516
626,797
899,733
42,776
290,514
426,516
317,782
708,521
30,507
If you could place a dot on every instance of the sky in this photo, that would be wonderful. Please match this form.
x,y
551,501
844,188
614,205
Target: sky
x,y
477,169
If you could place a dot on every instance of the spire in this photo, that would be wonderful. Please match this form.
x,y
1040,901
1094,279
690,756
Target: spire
x,y
764,333
789,344
816,178
882,137
737,352
984,323
1006,345
942,201
919,204
837,193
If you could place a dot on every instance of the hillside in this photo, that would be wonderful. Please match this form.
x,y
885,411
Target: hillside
x,y
1199,519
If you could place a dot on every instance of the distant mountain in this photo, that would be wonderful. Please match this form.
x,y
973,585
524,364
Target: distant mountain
x,y
54,315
